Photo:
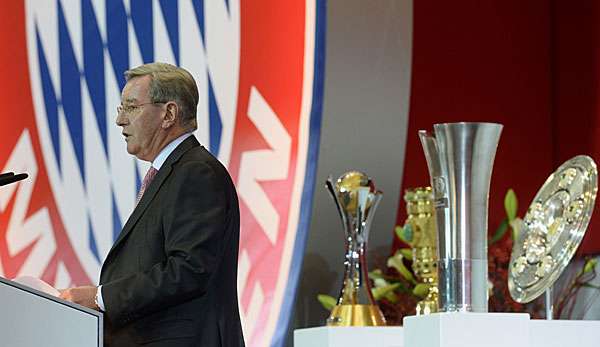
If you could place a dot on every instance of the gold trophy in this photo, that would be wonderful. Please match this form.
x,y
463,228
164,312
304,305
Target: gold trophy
x,y
419,207
356,199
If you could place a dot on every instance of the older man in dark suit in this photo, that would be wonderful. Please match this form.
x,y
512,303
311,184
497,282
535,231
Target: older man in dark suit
x,y
170,277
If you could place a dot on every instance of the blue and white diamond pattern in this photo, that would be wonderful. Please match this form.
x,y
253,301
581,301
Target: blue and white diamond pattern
x,y
78,51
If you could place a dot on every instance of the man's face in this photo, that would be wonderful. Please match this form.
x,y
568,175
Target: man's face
x,y
140,119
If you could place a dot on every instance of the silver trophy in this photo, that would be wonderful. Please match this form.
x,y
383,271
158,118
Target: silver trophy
x,y
552,230
356,199
460,158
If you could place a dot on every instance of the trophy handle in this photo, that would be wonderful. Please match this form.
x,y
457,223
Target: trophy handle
x,y
375,199
329,185
432,157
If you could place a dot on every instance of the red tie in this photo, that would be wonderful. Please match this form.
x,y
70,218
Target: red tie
x,y
146,182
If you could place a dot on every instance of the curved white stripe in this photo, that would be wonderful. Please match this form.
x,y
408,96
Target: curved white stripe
x,y
264,165
27,227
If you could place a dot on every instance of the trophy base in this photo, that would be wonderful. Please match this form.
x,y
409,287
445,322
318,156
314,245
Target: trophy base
x,y
356,315
425,307
428,305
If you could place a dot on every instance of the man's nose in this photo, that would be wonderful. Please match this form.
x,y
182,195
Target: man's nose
x,y
121,119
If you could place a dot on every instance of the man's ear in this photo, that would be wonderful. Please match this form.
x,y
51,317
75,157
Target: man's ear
x,y
171,115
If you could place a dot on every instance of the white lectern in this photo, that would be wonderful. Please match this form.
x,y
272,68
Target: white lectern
x,y
30,318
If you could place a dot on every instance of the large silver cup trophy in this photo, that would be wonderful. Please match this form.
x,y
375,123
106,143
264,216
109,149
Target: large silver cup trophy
x,y
460,157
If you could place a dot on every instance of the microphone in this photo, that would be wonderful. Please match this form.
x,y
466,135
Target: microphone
x,y
10,177
4,175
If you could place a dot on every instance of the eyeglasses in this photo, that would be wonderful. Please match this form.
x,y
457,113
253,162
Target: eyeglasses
x,y
128,109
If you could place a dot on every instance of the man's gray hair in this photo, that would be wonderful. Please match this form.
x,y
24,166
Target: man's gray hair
x,y
170,83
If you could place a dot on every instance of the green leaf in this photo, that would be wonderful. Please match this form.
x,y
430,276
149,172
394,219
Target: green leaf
x,y
397,263
589,266
587,285
421,290
399,232
391,296
403,287
375,274
380,282
381,292
516,225
511,205
499,233
404,233
406,253
328,302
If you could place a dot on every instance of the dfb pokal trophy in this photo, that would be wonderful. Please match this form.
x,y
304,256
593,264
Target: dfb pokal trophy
x,y
460,157
421,221
356,199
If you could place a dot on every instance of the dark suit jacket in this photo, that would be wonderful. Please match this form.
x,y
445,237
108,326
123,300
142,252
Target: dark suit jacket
x,y
172,272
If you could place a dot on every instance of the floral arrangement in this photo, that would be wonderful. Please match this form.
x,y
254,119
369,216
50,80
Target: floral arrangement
x,y
397,291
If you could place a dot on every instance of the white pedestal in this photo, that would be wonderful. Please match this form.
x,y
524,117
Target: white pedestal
x,y
562,333
453,329
349,337
458,330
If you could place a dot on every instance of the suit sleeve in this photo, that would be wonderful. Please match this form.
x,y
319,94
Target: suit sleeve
x,y
194,217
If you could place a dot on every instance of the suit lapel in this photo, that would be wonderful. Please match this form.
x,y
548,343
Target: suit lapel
x,y
153,188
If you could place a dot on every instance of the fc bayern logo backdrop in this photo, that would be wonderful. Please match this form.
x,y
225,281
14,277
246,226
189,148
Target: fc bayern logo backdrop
x,y
258,65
